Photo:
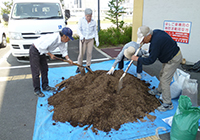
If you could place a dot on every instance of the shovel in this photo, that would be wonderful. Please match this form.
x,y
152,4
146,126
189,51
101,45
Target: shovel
x,y
81,70
121,79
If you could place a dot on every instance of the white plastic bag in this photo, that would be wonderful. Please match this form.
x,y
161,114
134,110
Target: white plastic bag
x,y
190,89
176,84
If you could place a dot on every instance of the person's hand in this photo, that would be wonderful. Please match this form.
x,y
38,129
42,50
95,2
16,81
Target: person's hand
x,y
70,61
139,76
83,40
97,44
111,71
52,56
134,58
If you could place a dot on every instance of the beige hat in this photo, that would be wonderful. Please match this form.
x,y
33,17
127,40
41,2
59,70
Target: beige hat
x,y
142,32
130,51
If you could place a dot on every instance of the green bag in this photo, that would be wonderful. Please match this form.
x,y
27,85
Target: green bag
x,y
185,121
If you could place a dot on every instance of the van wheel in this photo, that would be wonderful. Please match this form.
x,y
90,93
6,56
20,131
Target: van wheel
x,y
4,42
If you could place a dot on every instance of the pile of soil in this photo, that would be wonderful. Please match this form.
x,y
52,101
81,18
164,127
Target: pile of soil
x,y
92,99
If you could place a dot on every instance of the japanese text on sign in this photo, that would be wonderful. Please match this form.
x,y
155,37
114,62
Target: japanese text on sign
x,y
178,30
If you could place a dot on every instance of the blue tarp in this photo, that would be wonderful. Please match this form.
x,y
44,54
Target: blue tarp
x,y
47,129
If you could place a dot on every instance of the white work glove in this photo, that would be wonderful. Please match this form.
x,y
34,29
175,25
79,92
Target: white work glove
x,y
97,43
146,55
139,76
111,71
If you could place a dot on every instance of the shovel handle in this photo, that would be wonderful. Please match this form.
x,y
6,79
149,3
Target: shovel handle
x,y
67,61
138,49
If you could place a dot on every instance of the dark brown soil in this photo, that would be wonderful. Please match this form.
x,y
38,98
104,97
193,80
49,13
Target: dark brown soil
x,y
93,100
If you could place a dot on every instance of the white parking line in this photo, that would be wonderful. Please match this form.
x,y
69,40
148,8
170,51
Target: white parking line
x,y
51,64
5,56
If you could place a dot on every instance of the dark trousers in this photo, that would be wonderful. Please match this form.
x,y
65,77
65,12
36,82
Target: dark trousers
x,y
38,64
121,63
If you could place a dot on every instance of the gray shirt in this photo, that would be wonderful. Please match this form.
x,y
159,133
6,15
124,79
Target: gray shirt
x,y
121,54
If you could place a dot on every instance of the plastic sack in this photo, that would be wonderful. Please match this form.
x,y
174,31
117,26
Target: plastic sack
x,y
185,121
190,89
176,84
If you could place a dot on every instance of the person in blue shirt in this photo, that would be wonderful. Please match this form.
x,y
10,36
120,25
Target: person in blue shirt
x,y
127,51
166,50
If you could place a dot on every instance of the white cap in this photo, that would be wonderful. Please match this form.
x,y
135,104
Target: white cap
x,y
129,52
88,11
142,32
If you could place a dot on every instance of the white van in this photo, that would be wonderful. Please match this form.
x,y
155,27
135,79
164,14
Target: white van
x,y
30,19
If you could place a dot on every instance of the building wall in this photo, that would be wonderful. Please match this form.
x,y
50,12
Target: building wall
x,y
155,12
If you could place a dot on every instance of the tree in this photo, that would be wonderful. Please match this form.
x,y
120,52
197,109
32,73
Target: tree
x,y
62,2
115,12
7,5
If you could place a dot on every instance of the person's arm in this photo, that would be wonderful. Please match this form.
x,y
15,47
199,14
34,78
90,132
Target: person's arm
x,y
51,55
64,51
79,31
117,60
96,35
67,58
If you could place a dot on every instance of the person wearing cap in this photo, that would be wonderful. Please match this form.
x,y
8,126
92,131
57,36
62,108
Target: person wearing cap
x,y
37,55
87,31
166,50
127,51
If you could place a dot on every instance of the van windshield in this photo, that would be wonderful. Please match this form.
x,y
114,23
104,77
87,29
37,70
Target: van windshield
x,y
36,11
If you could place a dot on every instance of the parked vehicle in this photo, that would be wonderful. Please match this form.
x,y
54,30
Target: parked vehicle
x,y
3,42
31,19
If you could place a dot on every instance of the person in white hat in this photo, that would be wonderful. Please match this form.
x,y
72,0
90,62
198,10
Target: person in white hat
x,y
87,31
166,50
127,51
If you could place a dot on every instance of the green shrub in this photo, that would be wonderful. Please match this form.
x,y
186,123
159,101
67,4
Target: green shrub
x,y
75,36
113,37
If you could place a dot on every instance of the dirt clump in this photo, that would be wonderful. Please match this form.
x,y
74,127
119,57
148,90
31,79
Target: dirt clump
x,y
93,100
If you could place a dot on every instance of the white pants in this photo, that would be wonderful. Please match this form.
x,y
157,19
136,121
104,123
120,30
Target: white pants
x,y
88,44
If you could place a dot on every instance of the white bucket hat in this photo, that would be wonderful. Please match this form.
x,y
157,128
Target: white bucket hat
x,y
142,32
130,51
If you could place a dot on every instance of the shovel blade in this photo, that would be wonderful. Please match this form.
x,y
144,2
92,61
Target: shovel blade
x,y
121,82
120,85
82,70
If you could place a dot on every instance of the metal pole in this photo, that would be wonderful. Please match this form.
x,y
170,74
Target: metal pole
x,y
98,16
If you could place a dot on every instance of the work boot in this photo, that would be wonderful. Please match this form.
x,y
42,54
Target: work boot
x,y
77,70
48,88
88,67
164,107
39,93
154,92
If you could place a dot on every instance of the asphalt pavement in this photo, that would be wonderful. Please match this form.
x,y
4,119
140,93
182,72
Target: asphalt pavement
x,y
18,103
